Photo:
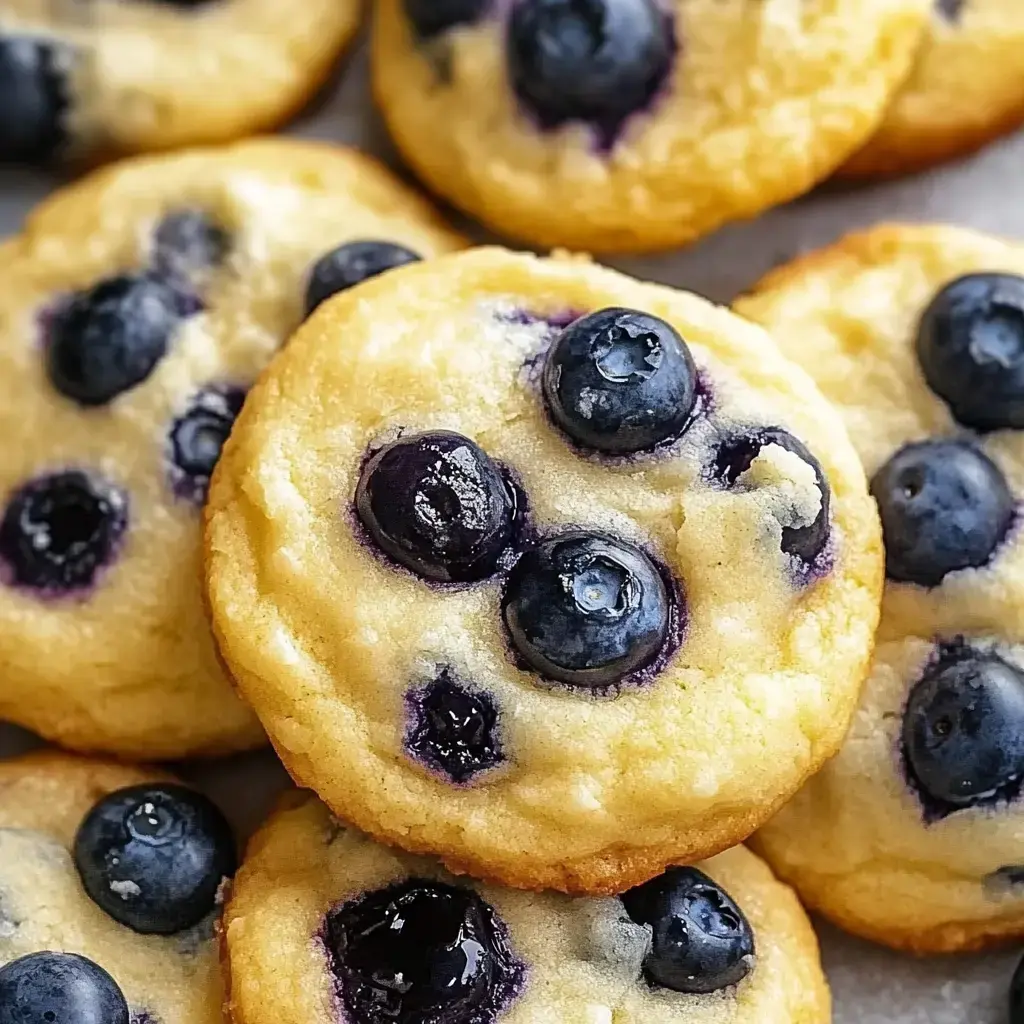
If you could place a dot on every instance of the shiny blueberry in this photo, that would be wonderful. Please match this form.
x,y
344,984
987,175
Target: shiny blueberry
x,y
619,381
432,17
701,941
351,264
945,505
970,344
1017,995
596,61
189,240
34,99
439,505
154,856
58,531
421,952
586,609
59,988
963,729
197,437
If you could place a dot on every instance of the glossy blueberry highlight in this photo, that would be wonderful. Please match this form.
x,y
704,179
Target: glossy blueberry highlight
x,y
35,99
701,940
351,264
59,988
197,437
432,17
421,952
187,241
154,856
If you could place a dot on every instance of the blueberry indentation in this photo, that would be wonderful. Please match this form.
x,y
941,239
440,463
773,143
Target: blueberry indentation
x,y
453,729
970,344
432,17
596,61
422,952
351,264
439,505
154,856
963,731
197,437
701,940
58,531
944,505
59,988
35,99
187,241
619,382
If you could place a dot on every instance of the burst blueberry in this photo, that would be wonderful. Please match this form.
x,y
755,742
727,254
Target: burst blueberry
x,y
197,437
35,99
351,264
432,17
189,240
59,988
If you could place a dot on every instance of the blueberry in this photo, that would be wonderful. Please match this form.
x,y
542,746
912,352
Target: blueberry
x,y
439,505
58,531
1017,995
351,264
432,17
586,609
59,988
950,9
944,506
701,941
35,99
970,344
620,381
453,729
197,437
154,856
189,240
110,338
963,729
596,61
421,952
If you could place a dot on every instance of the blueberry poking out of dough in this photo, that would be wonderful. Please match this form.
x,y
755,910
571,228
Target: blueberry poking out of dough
x,y
59,988
432,17
945,505
586,609
58,531
970,344
421,952
619,381
189,240
439,505
963,730
34,99
1017,995
154,856
197,437
351,264
701,940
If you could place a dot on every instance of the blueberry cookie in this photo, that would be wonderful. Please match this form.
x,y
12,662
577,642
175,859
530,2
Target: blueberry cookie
x,y
917,335
110,880
138,306
557,575
86,79
966,88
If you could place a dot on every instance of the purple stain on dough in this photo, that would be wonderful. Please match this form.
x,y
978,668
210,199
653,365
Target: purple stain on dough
x,y
950,9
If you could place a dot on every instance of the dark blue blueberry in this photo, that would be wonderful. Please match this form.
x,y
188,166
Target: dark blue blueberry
x,y
701,941
945,505
439,505
586,609
619,381
963,730
596,61
970,344
34,95
197,437
432,17
110,338
421,952
154,856
453,729
59,988
58,531
735,456
1017,995
351,264
187,241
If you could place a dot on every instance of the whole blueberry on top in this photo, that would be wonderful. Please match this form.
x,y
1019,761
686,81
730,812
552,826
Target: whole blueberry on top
x,y
945,505
351,264
189,240
58,531
970,344
701,941
34,89
963,730
432,17
59,988
586,609
439,505
1017,995
619,381
197,437
154,856
111,337
421,952
596,61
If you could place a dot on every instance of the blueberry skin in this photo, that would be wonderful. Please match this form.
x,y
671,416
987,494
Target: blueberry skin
x,y
701,940
351,264
153,856
963,730
432,17
189,240
944,505
586,609
596,61
620,381
197,437
59,988
970,345
35,99
1017,995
